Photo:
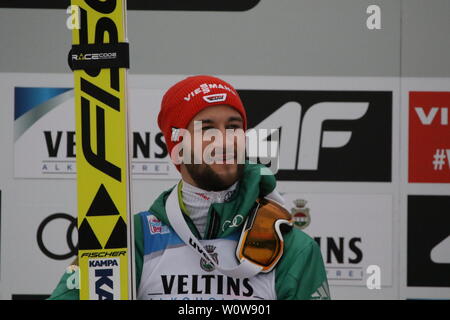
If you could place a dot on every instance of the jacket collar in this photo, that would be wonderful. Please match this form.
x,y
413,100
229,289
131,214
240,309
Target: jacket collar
x,y
232,214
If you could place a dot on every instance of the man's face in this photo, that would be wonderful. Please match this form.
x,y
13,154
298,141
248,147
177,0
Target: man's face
x,y
215,165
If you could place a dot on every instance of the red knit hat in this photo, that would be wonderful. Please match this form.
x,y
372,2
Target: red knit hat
x,y
188,97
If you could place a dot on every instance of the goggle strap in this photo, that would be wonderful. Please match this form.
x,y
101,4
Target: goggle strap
x,y
246,269
251,218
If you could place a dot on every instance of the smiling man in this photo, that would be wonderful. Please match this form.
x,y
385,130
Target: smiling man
x,y
217,164
223,231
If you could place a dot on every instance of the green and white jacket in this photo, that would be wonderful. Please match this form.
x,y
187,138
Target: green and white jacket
x,y
166,268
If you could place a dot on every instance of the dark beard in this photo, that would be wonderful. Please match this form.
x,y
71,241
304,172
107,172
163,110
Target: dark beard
x,y
208,180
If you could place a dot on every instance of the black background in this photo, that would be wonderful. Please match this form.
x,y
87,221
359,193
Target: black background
x,y
367,156
29,296
184,5
428,224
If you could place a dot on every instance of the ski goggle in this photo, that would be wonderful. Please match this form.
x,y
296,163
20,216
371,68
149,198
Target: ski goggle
x,y
261,240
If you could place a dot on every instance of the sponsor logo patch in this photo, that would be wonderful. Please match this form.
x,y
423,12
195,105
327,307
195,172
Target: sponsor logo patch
x,y
156,226
105,274
204,264
320,129
215,97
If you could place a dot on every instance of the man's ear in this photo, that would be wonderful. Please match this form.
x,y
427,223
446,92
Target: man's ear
x,y
183,170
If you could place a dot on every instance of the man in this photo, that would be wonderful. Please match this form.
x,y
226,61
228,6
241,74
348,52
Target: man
x,y
222,232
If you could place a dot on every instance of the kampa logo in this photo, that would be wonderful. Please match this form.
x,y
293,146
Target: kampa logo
x,y
104,273
320,129
103,263
104,279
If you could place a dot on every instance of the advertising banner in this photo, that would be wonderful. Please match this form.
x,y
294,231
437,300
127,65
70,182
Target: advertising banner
x,y
354,232
44,133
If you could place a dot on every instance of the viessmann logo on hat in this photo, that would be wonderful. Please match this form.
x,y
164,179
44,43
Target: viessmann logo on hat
x,y
205,88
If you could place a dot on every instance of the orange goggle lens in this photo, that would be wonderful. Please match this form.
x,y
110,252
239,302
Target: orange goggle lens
x,y
262,241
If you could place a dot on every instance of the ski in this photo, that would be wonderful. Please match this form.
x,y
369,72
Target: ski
x,y
99,59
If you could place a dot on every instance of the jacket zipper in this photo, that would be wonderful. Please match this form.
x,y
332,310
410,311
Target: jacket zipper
x,y
213,225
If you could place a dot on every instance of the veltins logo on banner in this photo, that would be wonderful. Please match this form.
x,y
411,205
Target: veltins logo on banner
x,y
354,233
44,134
428,241
429,137
327,135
